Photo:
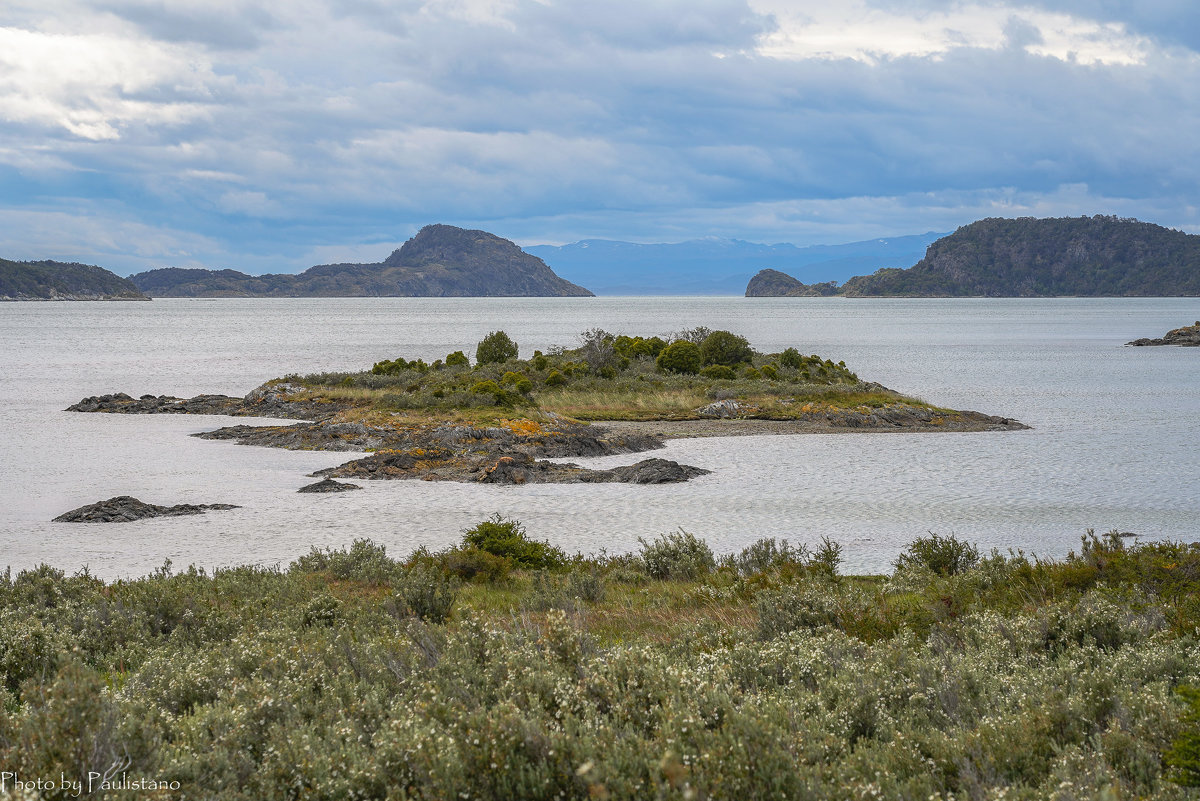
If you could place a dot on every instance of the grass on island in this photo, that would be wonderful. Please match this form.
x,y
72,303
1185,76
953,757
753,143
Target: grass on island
x,y
504,668
608,377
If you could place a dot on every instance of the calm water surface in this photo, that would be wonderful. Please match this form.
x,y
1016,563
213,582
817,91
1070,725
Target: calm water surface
x,y
1114,444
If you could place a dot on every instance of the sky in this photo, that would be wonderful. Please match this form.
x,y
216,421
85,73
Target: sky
x,y
269,136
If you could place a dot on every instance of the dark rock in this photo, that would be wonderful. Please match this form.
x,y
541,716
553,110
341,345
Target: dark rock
x,y
656,471
1188,337
125,508
329,485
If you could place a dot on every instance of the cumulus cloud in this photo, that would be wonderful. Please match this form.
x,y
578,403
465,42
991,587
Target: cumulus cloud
x,y
275,132
93,84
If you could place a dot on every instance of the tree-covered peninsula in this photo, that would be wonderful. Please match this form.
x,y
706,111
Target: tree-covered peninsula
x,y
55,280
1099,256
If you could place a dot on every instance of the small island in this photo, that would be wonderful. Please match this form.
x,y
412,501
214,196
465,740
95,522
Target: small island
x,y
1188,336
502,419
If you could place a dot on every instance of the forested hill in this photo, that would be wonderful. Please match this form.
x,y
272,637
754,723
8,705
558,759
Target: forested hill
x,y
440,261
1028,257
55,280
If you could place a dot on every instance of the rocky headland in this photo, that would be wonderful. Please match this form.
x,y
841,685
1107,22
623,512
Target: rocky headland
x,y
126,509
1188,336
56,280
440,261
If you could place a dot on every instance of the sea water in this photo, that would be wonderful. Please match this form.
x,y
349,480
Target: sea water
x,y
1115,438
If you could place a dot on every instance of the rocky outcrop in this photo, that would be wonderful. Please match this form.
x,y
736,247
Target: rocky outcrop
x,y
329,485
515,468
125,509
273,399
1187,336
774,284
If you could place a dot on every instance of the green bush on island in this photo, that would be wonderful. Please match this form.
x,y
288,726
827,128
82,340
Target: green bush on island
x,y
457,359
768,372
681,356
555,379
495,348
718,371
791,358
725,347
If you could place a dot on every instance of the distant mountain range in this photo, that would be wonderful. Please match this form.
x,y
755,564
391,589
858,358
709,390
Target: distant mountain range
x,y
1099,256
56,280
440,261
715,266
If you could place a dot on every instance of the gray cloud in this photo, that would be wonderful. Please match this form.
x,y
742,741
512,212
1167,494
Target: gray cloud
x,y
339,124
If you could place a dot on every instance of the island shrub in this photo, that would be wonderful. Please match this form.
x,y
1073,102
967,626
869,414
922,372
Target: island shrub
x,y
495,348
555,379
694,335
751,374
681,356
680,556
390,366
488,387
507,538
719,371
540,362
725,347
791,358
458,359
769,372
517,381
946,556
598,351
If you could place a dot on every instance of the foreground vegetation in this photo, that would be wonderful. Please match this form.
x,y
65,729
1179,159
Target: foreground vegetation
x,y
608,377
503,668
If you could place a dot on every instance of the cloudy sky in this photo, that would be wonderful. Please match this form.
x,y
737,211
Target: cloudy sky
x,y
267,135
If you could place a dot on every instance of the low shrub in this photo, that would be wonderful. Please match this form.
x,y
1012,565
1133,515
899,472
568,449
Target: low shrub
x,y
458,359
426,592
680,356
507,538
719,372
555,379
365,561
946,556
680,556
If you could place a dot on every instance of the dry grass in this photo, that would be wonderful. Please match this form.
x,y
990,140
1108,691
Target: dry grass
x,y
625,404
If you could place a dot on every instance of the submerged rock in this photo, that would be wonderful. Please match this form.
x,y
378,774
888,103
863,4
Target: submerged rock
x,y
329,485
125,509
